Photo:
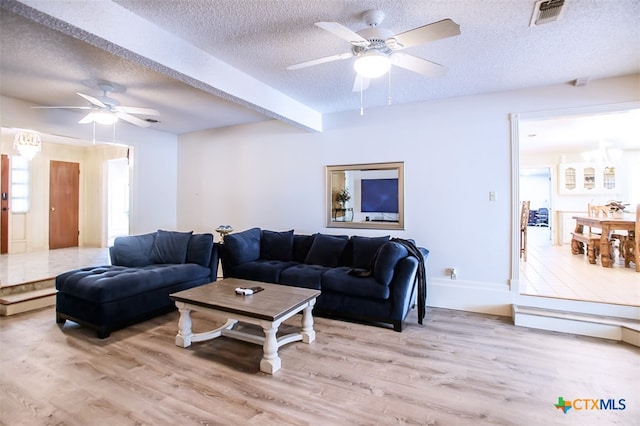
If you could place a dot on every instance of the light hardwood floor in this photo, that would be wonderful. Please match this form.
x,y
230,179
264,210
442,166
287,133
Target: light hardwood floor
x,y
458,368
552,271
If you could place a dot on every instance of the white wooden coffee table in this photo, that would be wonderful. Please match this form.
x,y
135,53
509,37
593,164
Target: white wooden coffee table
x,y
267,309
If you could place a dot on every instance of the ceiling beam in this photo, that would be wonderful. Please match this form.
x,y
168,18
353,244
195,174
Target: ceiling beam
x,y
112,28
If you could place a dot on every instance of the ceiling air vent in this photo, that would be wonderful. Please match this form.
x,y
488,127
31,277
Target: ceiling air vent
x,y
546,11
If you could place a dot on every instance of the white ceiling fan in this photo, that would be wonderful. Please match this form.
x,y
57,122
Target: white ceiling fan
x,y
375,46
106,110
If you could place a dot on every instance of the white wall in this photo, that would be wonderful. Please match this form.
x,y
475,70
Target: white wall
x,y
455,152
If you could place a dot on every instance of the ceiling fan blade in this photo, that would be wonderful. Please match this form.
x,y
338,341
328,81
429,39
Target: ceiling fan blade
x,y
61,106
360,83
331,58
92,100
419,65
87,118
344,33
137,110
131,119
430,32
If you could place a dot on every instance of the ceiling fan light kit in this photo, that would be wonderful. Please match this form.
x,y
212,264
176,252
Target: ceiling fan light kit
x,y
372,64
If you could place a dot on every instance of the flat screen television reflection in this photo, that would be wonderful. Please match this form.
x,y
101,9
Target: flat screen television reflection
x,y
379,195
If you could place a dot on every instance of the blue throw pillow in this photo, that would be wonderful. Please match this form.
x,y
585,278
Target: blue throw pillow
x,y
170,247
301,247
199,250
276,245
133,250
243,247
326,250
364,249
388,256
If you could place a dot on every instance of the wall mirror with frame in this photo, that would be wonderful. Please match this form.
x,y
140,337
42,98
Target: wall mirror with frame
x,y
369,196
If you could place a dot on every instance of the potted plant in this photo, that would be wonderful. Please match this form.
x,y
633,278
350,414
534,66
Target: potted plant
x,y
342,197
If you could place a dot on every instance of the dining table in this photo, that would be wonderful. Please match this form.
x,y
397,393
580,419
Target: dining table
x,y
607,225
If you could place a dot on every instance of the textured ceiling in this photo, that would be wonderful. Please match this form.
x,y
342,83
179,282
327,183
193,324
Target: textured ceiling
x,y
496,51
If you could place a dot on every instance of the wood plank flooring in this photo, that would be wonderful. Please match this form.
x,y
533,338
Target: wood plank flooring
x,y
459,368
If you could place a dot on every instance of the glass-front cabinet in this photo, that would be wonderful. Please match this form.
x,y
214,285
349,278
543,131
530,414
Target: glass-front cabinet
x,y
586,178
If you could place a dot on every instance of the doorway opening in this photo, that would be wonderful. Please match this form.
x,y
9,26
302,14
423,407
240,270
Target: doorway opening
x,y
117,199
552,141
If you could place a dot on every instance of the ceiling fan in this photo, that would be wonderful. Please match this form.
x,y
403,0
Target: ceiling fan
x,y
106,110
382,46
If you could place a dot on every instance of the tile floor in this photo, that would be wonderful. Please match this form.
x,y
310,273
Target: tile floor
x,y
553,271
23,268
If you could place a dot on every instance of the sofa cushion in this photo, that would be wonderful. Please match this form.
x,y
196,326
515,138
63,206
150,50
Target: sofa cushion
x,y
301,246
261,270
243,246
388,256
276,245
338,280
364,250
199,250
104,284
133,250
326,250
301,275
170,247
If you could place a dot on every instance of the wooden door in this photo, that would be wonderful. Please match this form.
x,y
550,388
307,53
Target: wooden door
x,y
4,204
64,192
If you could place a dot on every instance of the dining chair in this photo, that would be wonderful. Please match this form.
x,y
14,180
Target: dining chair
x,y
632,244
594,210
542,217
524,222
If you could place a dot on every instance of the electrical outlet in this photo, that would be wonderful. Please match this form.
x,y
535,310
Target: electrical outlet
x,y
453,273
493,196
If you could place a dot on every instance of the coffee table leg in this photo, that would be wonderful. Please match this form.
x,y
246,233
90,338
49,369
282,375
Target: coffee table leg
x,y
183,338
270,362
308,333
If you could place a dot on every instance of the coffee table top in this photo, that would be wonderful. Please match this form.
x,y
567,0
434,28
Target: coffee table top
x,y
270,304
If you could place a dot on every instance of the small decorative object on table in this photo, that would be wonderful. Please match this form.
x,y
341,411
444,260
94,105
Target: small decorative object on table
x,y
224,230
616,208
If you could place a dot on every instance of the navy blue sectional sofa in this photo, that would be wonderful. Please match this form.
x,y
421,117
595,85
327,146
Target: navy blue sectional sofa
x,y
370,279
144,270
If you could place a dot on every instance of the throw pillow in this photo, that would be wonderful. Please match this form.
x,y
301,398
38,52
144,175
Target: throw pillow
x,y
199,250
170,247
243,247
276,245
388,256
301,247
133,250
326,250
364,249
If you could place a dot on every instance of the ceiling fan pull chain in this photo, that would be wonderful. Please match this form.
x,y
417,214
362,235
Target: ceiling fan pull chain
x,y
389,98
361,103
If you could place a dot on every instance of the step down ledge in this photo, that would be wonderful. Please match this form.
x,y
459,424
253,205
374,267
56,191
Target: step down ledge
x,y
27,301
621,329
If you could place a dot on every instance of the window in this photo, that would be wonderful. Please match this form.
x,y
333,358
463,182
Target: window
x,y
19,184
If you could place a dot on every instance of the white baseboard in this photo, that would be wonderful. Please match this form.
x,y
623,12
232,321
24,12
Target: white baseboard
x,y
495,299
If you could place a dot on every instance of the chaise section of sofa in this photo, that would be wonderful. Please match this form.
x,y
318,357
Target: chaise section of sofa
x,y
369,279
144,270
